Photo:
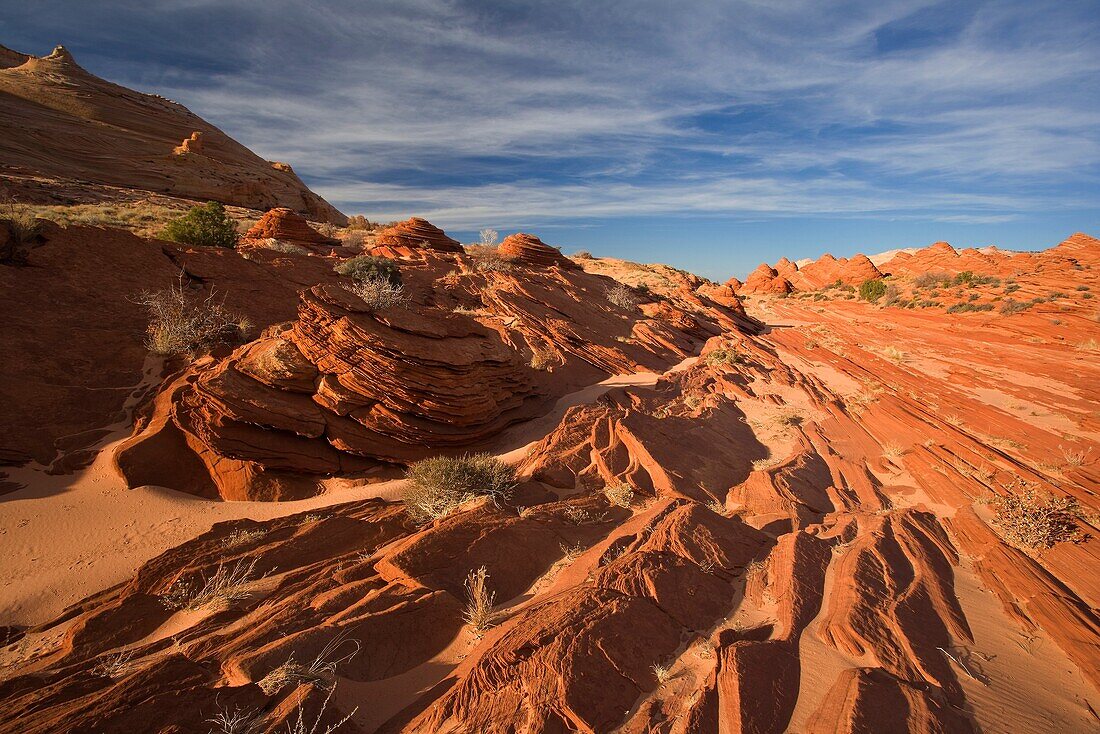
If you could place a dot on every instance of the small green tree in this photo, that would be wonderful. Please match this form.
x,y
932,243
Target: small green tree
x,y
206,225
872,290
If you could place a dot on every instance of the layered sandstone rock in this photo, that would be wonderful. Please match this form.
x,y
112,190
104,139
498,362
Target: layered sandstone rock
x,y
54,99
413,235
284,225
530,250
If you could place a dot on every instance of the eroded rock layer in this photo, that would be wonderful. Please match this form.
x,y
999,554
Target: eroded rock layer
x,y
414,235
284,225
529,249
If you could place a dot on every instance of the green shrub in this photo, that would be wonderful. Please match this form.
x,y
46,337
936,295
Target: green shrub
x,y
368,267
437,486
207,226
872,290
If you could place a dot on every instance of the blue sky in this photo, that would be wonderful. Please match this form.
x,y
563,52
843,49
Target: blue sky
x,y
709,135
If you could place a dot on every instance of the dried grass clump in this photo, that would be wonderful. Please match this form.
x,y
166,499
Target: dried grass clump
x,y
288,248
301,725
1034,520
892,450
622,296
619,494
227,585
894,354
662,672
479,612
182,323
113,666
379,293
241,537
23,229
321,672
581,255
437,486
543,360
1089,345
1075,457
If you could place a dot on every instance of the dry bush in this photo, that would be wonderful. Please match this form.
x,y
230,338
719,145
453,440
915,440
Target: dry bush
x,y
619,494
1033,520
301,725
240,537
1089,345
437,486
487,259
113,666
479,601
723,356
543,359
23,229
572,551
622,296
893,353
892,450
662,672
582,255
359,222
488,237
237,721
321,672
379,293
288,248
182,323
353,238
227,585
718,507
1075,457
763,464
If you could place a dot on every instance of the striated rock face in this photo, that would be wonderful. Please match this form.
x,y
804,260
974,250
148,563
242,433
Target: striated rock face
x,y
412,235
54,99
765,279
343,389
283,224
788,277
529,249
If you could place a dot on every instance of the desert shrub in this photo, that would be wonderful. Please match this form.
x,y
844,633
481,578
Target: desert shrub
x,y
619,494
542,359
321,672
23,232
1033,520
207,225
378,293
892,295
1082,288
488,237
358,222
487,259
1012,287
353,238
1011,306
437,486
621,296
932,279
872,290
289,248
182,323
367,267
723,356
582,255
966,307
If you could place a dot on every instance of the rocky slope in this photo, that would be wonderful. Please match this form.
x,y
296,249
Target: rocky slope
x,y
800,530
65,133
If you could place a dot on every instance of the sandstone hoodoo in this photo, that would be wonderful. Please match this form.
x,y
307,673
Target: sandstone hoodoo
x,y
529,249
284,225
413,235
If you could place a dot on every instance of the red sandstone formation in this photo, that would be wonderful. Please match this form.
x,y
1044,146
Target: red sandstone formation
x,y
412,236
80,115
788,277
284,225
797,531
191,144
529,249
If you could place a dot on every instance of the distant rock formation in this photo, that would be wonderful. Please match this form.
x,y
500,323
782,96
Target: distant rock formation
x,y
82,116
406,238
283,224
529,249
192,144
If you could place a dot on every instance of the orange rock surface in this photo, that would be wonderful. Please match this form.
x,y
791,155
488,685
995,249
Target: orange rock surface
x,y
529,249
284,225
412,236
775,515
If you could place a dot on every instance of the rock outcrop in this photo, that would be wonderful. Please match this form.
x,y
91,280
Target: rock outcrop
x,y
54,99
284,225
530,250
414,235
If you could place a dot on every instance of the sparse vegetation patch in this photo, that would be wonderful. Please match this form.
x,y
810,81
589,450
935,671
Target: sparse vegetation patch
x,y
437,486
